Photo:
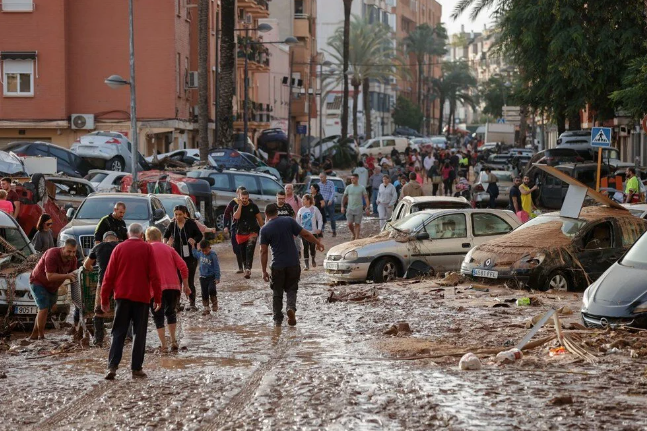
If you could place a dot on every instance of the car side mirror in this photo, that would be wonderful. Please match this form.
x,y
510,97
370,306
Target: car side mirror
x,y
158,214
211,181
421,236
70,213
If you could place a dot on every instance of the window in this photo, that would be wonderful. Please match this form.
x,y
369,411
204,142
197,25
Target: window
x,y
600,236
18,77
449,226
389,143
117,180
247,181
489,224
221,182
17,6
270,188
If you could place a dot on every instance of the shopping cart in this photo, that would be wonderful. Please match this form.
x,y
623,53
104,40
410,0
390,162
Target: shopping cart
x,y
84,292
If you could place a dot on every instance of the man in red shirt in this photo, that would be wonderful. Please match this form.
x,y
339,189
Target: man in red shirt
x,y
53,268
132,276
12,196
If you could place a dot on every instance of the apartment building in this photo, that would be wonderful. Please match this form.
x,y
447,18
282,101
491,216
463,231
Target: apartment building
x,y
409,15
381,92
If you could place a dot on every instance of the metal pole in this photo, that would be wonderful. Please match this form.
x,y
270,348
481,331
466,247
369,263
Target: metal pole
x,y
290,104
216,124
309,103
320,112
245,116
133,104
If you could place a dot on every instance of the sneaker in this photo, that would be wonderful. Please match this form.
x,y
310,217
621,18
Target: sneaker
x,y
248,273
139,374
292,318
112,373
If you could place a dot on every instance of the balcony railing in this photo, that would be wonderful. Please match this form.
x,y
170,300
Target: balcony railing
x,y
257,112
256,53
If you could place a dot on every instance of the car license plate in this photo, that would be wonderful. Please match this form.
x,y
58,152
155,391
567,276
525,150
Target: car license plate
x,y
333,266
485,273
19,309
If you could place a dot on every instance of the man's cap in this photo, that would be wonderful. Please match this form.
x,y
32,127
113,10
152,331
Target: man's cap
x,y
109,233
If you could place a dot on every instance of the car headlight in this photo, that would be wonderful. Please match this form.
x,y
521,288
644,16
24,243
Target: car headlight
x,y
182,187
351,255
537,259
468,256
642,308
64,236
585,297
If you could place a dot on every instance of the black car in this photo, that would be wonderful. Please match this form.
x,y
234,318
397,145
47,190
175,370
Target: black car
x,y
619,296
555,252
552,190
67,162
554,157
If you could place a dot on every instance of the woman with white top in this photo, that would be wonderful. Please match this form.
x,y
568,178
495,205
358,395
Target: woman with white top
x,y
310,219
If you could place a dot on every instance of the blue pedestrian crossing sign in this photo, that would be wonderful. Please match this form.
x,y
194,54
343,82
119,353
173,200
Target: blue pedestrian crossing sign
x,y
601,137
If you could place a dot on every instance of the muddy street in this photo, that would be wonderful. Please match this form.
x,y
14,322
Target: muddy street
x,y
342,366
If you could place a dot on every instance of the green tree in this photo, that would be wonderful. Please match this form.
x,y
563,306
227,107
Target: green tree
x,y
407,114
456,85
422,42
495,93
633,96
370,57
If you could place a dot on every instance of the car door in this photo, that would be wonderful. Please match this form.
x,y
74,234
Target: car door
x,y
270,188
250,182
487,226
448,243
600,247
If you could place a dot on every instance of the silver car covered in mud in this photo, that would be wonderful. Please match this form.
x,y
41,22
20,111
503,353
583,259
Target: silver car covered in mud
x,y
433,239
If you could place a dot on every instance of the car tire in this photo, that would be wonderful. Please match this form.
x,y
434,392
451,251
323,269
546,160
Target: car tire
x,y
40,188
220,219
385,270
116,164
557,281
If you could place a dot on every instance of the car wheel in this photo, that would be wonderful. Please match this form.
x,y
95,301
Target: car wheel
x,y
385,270
40,189
557,281
220,219
115,164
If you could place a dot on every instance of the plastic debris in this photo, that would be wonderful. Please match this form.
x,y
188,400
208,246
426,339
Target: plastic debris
x,y
469,361
561,350
509,356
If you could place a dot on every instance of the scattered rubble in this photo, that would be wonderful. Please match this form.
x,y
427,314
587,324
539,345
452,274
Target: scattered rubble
x,y
451,279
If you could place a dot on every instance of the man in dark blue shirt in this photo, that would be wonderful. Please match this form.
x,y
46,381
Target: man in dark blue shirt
x,y
278,233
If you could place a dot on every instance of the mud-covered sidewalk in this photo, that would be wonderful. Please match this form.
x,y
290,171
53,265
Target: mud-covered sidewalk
x,y
342,367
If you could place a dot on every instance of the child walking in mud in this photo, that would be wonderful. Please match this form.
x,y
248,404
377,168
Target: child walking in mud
x,y
209,275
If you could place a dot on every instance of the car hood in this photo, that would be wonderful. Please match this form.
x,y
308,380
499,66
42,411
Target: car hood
x,y
376,241
620,286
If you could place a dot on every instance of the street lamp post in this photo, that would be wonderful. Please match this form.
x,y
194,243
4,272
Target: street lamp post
x,y
116,81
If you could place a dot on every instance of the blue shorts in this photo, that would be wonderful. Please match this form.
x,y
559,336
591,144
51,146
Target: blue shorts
x,y
45,300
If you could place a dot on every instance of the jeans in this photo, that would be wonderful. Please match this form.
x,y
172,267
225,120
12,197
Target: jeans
x,y
284,280
208,287
374,193
170,298
129,311
448,187
247,249
330,215
435,189
384,213
492,201
309,249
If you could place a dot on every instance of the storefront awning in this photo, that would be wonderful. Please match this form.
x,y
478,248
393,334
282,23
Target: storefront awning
x,y
17,55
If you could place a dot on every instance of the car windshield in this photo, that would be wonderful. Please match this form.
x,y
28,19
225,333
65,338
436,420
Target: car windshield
x,y
504,177
100,206
440,205
16,241
410,223
171,202
636,257
570,227
97,177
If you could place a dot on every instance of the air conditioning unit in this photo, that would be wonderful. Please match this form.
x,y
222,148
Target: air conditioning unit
x,y
82,121
195,110
192,82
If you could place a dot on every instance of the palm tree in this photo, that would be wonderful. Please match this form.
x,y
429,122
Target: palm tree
x,y
227,73
455,86
370,57
203,77
424,41
346,52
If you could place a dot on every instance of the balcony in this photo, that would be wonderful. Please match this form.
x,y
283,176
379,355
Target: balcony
x,y
259,115
258,56
257,8
301,25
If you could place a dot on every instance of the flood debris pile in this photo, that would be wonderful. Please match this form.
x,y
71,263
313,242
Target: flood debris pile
x,y
360,296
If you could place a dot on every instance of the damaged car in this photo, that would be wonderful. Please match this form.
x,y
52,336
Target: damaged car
x,y
557,252
17,259
427,242
619,296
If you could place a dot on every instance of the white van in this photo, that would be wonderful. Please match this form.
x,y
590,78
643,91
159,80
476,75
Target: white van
x,y
384,145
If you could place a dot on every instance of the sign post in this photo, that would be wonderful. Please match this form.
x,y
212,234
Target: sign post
x,y
600,138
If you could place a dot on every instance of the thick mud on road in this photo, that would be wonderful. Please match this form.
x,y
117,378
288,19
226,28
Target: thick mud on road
x,y
336,369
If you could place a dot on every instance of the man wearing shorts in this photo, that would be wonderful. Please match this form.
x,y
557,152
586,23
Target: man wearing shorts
x,y
354,204
53,268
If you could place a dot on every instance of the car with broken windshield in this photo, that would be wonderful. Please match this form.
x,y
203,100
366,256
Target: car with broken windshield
x,y
429,241
556,252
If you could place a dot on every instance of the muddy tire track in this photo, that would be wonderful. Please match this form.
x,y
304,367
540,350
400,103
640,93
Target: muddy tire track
x,y
238,403
78,406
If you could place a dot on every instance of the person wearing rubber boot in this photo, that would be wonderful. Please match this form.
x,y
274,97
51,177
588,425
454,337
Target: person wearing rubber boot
x,y
209,275
278,233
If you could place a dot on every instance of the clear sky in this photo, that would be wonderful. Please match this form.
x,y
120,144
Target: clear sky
x,y
455,26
